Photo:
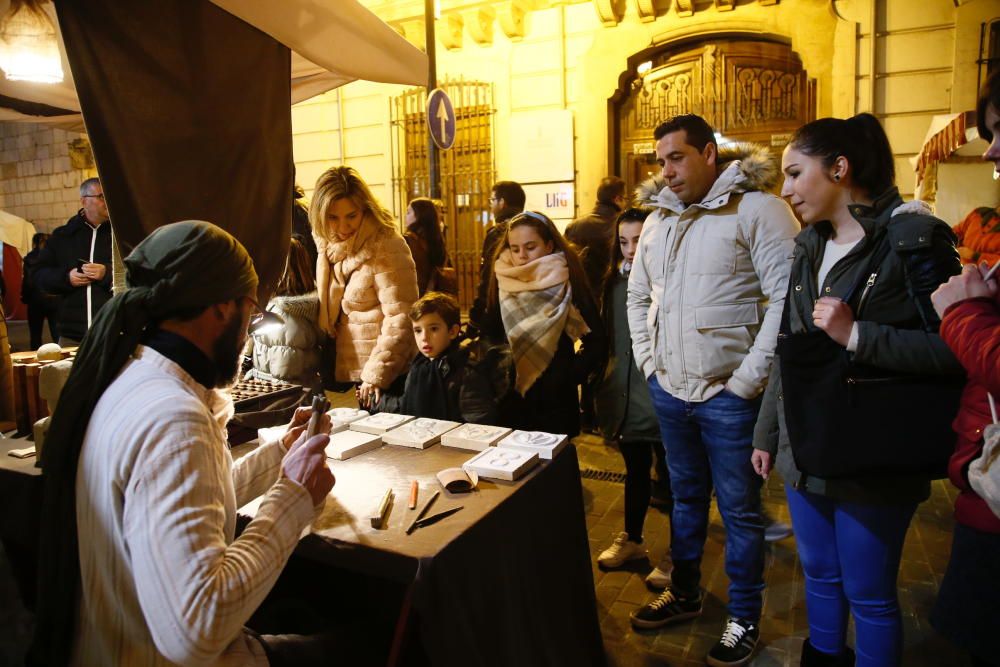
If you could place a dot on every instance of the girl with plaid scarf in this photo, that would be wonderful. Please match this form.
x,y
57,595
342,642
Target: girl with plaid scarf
x,y
539,302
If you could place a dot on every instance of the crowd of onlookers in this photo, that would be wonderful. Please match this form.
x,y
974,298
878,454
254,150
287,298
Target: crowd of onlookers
x,y
714,330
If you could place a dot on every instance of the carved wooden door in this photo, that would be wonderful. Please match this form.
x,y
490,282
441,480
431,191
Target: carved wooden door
x,y
748,90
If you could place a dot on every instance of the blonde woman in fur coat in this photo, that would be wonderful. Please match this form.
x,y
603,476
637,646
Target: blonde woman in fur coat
x,y
366,281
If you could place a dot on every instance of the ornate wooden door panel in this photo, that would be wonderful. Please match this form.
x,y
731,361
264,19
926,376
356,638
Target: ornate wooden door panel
x,y
748,90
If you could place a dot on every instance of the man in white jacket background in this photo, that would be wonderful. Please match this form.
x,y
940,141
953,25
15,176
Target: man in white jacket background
x,y
704,302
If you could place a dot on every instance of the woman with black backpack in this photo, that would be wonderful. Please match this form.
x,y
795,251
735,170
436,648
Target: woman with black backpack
x,y
863,388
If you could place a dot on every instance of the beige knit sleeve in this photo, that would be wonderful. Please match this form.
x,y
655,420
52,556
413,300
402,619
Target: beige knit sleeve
x,y
395,278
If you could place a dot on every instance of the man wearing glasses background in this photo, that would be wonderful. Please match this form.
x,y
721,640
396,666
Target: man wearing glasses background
x,y
76,264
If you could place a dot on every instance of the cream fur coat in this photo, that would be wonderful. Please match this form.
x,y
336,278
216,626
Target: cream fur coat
x,y
366,286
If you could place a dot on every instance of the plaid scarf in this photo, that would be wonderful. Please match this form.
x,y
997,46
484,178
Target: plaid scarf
x,y
536,306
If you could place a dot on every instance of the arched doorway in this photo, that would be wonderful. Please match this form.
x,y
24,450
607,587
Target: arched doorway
x,y
748,89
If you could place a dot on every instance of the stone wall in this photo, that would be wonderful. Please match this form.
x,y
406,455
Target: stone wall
x,y
38,181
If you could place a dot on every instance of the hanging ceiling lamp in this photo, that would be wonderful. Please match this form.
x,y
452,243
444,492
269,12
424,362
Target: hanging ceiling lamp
x,y
29,46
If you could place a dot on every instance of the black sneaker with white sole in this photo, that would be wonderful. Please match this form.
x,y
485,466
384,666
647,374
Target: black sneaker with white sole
x,y
668,607
737,644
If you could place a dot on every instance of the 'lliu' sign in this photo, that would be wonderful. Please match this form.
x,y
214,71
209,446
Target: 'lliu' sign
x,y
441,119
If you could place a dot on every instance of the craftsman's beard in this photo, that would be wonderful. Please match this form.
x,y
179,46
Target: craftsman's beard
x,y
227,352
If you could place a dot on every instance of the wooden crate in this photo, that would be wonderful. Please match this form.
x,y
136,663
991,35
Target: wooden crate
x,y
29,406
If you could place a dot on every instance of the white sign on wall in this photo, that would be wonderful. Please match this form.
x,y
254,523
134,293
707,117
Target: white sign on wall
x,y
544,146
556,200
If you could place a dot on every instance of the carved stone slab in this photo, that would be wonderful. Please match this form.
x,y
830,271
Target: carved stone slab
x,y
420,433
380,423
546,445
344,417
505,464
474,437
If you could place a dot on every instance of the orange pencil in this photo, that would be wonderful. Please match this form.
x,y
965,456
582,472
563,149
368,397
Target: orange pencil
x,y
414,487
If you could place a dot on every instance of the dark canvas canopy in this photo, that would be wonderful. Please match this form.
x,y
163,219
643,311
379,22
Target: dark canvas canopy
x,y
188,104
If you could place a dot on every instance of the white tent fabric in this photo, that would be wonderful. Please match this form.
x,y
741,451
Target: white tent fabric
x,y
333,42
16,231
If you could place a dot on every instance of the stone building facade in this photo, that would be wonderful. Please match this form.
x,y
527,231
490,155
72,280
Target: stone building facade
x,y
558,63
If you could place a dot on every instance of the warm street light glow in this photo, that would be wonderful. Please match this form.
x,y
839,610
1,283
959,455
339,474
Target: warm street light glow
x,y
644,67
29,50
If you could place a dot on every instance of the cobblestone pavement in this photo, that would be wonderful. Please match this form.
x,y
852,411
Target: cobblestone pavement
x,y
784,625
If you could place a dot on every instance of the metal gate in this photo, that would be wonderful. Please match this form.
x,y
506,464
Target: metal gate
x,y
467,170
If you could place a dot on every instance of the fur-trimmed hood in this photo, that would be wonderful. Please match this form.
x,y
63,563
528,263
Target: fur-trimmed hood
x,y
743,167
301,305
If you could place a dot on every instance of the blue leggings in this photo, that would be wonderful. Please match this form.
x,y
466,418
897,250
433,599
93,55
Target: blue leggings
x,y
850,555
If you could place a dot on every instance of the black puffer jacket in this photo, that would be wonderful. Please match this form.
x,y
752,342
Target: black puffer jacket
x,y
891,332
74,241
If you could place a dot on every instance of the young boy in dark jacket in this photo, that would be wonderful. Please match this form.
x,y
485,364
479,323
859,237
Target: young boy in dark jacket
x,y
442,383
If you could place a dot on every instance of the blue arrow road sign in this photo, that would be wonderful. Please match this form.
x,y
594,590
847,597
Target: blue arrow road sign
x,y
441,119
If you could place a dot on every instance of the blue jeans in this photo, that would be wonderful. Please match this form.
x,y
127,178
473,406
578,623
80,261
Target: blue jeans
x,y
709,444
850,555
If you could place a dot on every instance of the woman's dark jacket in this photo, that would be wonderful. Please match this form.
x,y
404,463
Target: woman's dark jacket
x,y
891,331
552,403
622,404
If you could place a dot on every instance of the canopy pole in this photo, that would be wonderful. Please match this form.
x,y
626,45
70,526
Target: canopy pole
x,y
433,161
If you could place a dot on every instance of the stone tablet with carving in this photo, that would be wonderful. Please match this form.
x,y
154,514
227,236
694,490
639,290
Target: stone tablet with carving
x,y
380,423
342,418
546,445
498,463
474,437
420,433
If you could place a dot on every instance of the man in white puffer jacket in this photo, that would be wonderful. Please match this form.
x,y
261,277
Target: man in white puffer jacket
x,y
704,303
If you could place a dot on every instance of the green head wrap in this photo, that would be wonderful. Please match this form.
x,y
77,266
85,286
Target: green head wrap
x,y
181,266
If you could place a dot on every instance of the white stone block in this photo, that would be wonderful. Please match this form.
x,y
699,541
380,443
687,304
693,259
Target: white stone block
x,y
348,444
505,464
474,437
341,418
546,445
380,423
420,433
